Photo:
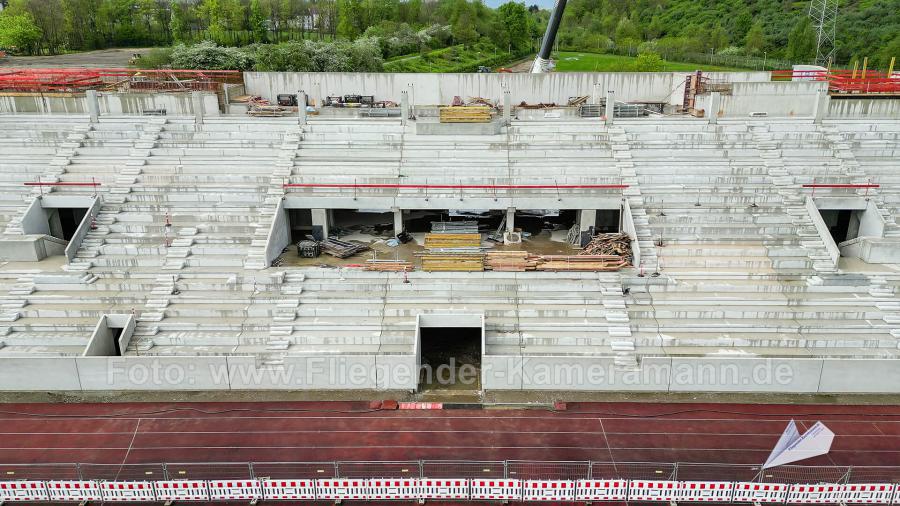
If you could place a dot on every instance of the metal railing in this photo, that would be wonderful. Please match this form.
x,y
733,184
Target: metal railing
x,y
514,469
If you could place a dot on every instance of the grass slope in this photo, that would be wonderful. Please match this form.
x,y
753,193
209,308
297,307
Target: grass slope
x,y
592,62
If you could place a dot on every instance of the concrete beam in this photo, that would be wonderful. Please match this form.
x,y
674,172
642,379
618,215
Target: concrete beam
x,y
398,220
820,108
507,107
713,113
404,107
510,219
610,106
197,105
93,105
320,222
301,107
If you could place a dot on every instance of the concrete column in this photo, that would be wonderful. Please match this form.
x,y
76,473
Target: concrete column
x,y
404,107
507,107
301,107
510,219
398,220
587,219
610,106
197,104
713,113
596,94
821,106
320,222
93,105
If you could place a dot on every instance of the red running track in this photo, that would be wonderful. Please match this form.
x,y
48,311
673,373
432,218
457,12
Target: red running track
x,y
315,431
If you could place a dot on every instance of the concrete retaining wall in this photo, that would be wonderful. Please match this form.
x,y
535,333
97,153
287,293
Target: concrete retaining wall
x,y
863,108
83,228
688,374
314,372
776,99
175,104
432,89
279,234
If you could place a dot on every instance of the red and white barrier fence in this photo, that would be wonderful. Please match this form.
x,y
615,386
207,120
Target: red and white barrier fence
x,y
602,490
186,490
408,489
500,489
23,491
553,491
760,492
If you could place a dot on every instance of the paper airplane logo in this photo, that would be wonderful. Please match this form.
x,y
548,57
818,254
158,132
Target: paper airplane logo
x,y
792,447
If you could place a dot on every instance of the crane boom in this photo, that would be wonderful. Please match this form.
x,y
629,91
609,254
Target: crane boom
x,y
542,63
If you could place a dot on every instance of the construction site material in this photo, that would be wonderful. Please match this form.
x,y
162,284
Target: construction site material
x,y
465,114
576,101
509,261
609,244
436,262
388,265
452,241
454,227
308,249
593,263
262,108
80,79
342,249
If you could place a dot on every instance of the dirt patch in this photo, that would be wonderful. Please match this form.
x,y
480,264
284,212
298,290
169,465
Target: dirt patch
x,y
102,58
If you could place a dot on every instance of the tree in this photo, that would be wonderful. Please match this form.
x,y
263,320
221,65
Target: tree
x,y
178,21
257,22
802,41
755,40
648,62
514,30
347,27
718,38
19,32
627,30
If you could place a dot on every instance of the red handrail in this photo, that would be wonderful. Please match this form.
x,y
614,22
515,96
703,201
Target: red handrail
x,y
459,186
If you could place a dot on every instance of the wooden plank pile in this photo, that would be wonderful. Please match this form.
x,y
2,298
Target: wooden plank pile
x,y
465,114
454,227
458,242
342,249
441,262
590,263
509,261
388,265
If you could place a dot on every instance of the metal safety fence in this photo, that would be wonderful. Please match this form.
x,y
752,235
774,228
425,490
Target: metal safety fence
x,y
505,469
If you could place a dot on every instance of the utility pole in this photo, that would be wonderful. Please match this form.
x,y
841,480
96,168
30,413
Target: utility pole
x,y
824,14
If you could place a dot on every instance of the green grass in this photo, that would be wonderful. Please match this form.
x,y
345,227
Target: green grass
x,y
449,59
593,62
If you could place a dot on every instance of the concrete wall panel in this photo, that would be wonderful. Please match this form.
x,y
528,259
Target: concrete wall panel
x,y
737,374
153,373
38,373
860,376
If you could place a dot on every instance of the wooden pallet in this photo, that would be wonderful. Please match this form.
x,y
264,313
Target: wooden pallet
x,y
388,266
509,261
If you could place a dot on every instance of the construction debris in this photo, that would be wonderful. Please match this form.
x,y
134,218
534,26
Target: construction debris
x,y
388,265
576,101
342,249
617,244
465,114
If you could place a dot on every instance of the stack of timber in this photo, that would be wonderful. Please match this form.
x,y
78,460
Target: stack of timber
x,y
591,263
342,249
436,262
388,265
454,227
509,261
466,114
617,244
458,243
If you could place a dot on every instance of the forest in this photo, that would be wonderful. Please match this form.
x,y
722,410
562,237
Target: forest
x,y
394,34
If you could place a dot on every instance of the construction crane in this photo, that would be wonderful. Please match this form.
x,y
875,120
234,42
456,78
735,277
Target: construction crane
x,y
542,62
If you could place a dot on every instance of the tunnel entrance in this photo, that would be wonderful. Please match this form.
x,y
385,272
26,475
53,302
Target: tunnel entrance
x,y
843,224
450,358
64,221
